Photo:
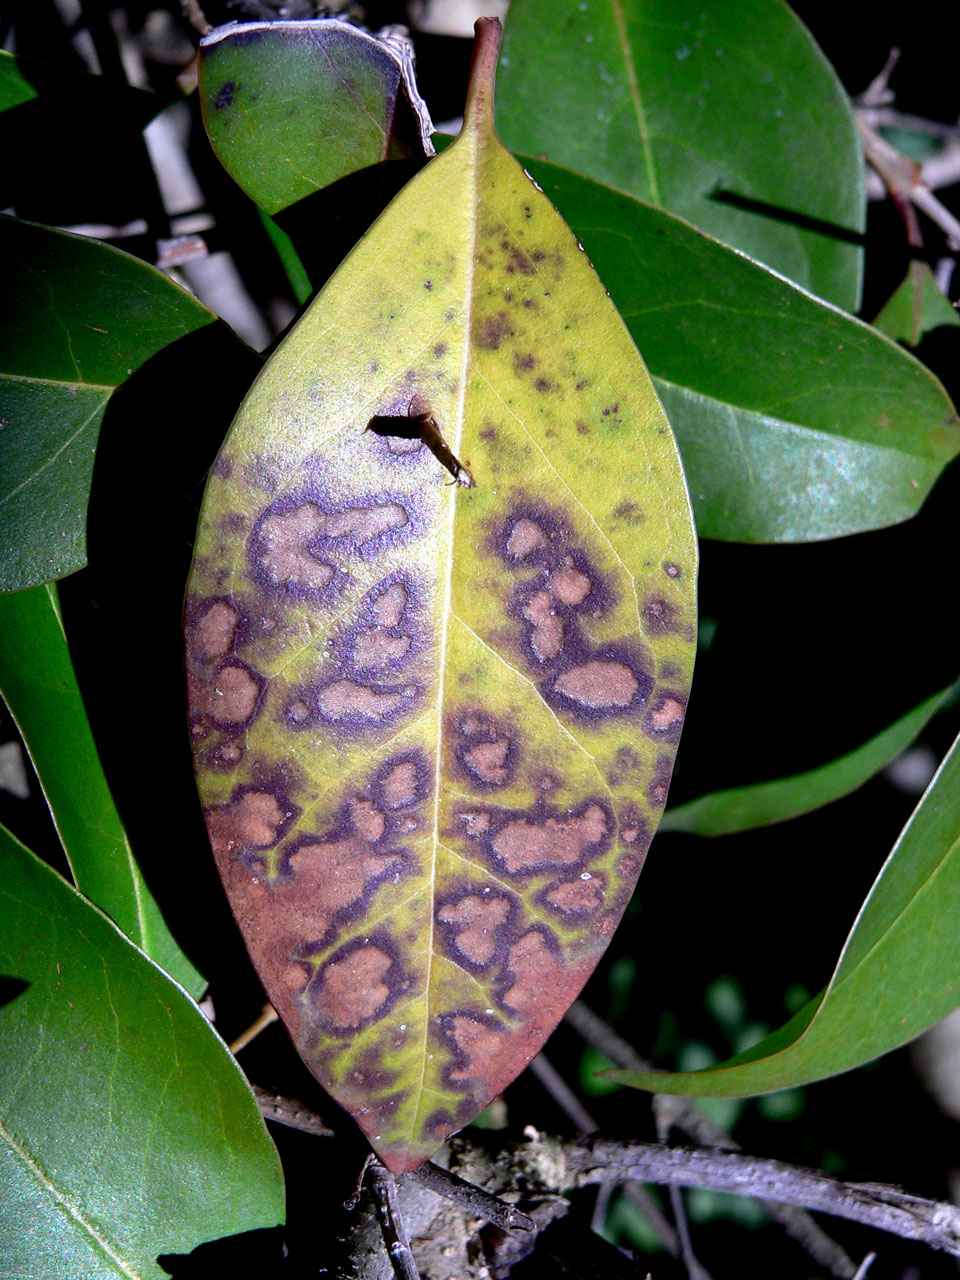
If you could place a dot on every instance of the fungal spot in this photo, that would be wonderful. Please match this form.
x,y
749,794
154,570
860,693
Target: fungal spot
x,y
388,607
569,585
374,649
581,384
364,523
474,919
284,552
476,1043
225,95
348,700
352,989
488,760
253,820
611,408
543,384
233,522
546,639
533,966
667,714
628,512
583,428
599,684
216,631
522,844
517,261
223,467
659,615
525,538
298,712
400,785
575,897
232,697
440,349
657,790
491,331
671,570
524,362
476,824
629,866
367,819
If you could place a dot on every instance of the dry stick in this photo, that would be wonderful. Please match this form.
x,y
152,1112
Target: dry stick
x,y
903,178
268,1015
384,1188
474,1200
677,1205
568,1101
683,1114
875,1205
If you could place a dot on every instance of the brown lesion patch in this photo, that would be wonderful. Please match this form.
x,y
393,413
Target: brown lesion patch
x,y
532,966
346,701
214,633
659,615
524,538
629,512
666,715
599,684
522,844
475,823
363,524
232,696
353,988
402,783
488,761
485,750
579,897
284,551
490,331
472,922
660,784
568,585
477,1043
388,607
546,635
253,819
373,649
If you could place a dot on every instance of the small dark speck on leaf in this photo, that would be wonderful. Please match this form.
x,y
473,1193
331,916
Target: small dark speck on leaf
x,y
225,95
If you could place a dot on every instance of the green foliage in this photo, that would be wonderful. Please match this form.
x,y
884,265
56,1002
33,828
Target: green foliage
x,y
711,173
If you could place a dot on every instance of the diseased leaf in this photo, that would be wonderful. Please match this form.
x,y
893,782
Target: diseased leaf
x,y
78,318
898,972
796,422
743,808
916,307
434,722
38,684
126,1129
726,114
322,99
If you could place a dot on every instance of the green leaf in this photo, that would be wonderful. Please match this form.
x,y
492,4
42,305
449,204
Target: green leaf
x,y
726,114
38,684
15,87
916,307
126,1128
743,808
291,107
898,972
78,318
796,422
434,722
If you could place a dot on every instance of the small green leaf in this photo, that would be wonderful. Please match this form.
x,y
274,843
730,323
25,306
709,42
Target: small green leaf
x,y
78,318
38,684
434,722
726,114
916,307
292,106
126,1128
796,422
15,87
743,808
898,973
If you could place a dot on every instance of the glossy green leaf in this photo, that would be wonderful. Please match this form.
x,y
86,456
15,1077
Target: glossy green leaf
x,y
15,87
292,106
899,971
743,808
916,307
434,722
38,684
126,1128
726,114
78,318
796,422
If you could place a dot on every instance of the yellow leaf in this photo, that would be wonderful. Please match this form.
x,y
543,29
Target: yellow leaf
x,y
440,635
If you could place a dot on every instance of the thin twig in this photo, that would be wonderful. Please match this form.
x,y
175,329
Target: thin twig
x,y
865,1266
679,1112
904,180
875,1205
195,16
687,1254
384,1188
474,1199
268,1015
289,1112
640,1197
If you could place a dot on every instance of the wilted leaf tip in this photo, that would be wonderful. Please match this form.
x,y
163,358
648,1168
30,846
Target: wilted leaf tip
x,y
478,113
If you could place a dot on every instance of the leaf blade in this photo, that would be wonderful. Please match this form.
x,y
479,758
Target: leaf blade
x,y
896,976
471,742
731,119
157,1145
39,686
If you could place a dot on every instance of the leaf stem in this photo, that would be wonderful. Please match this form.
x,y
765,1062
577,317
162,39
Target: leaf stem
x,y
478,112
